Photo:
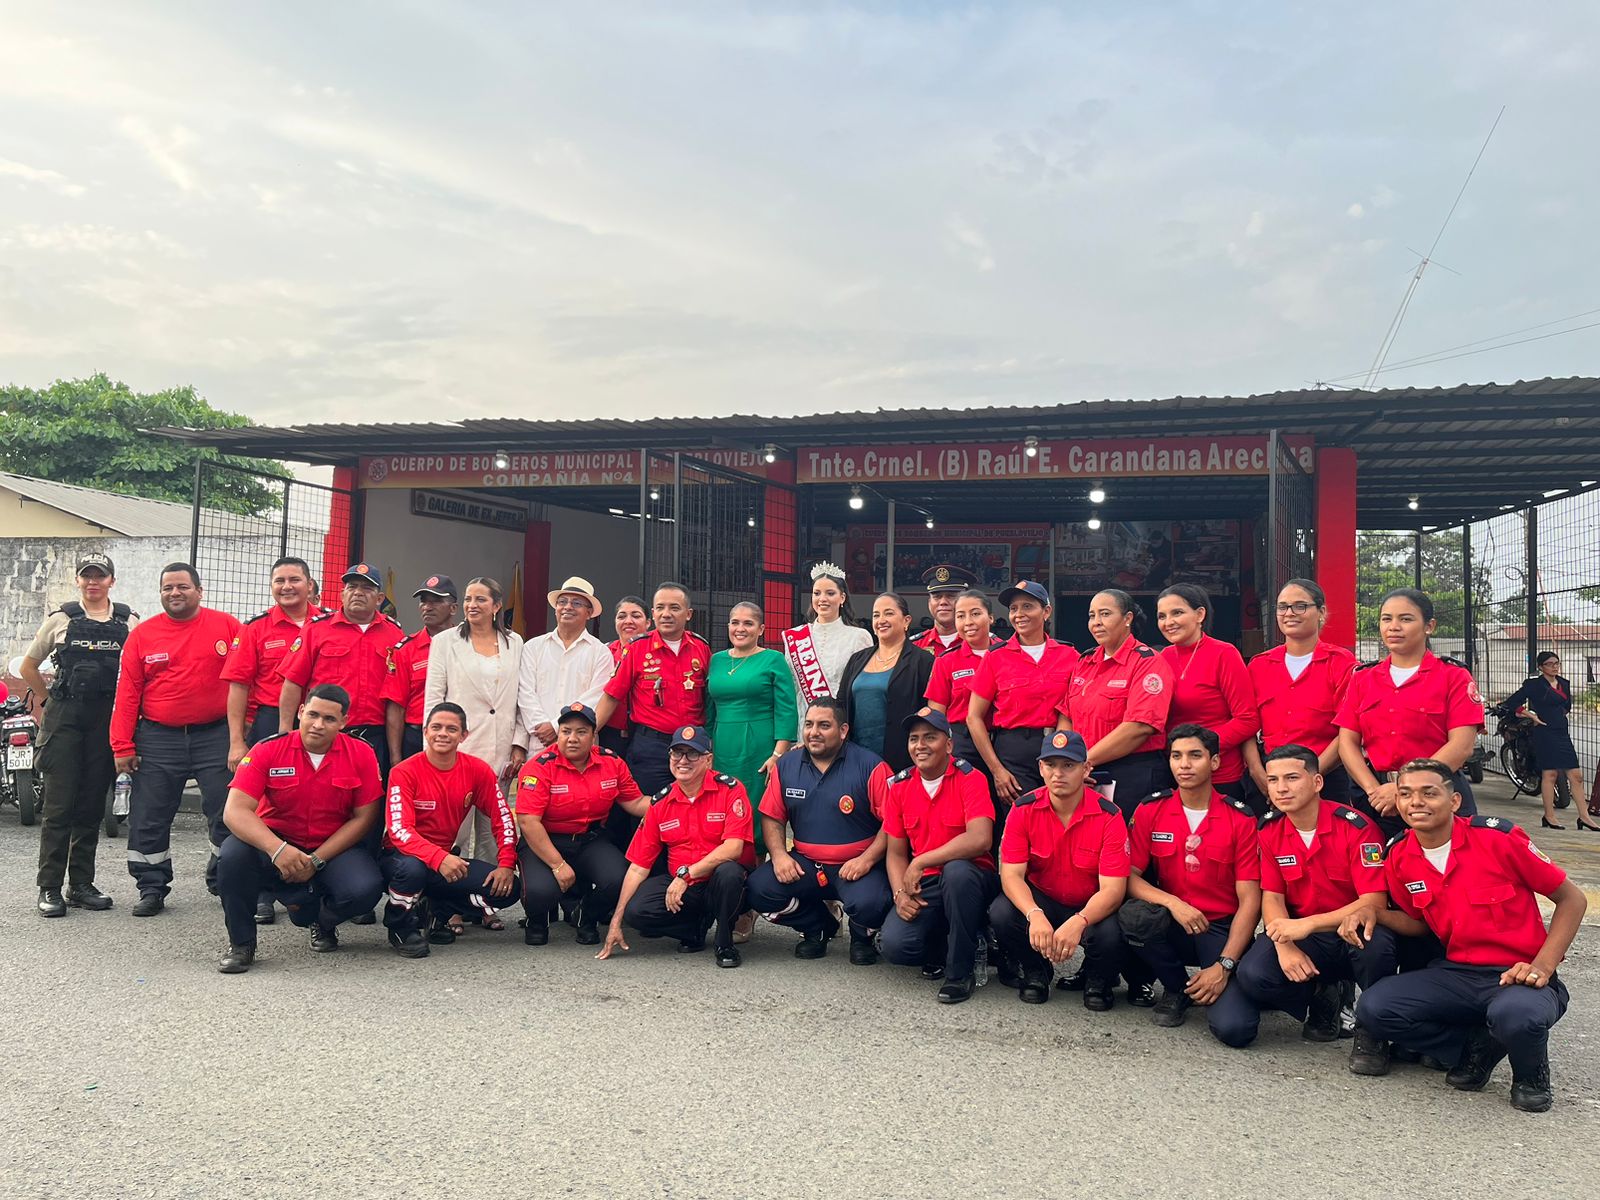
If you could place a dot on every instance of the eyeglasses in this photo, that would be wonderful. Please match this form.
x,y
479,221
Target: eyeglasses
x,y
688,756
1298,608
1190,845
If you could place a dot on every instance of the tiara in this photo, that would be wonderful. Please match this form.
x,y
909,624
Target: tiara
x,y
832,570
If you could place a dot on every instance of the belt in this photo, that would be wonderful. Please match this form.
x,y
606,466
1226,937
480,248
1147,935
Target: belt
x,y
200,727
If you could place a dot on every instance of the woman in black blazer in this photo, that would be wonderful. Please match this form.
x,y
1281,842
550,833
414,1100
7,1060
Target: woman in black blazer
x,y
884,684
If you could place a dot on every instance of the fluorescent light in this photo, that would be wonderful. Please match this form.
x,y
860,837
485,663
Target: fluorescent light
x,y
1094,522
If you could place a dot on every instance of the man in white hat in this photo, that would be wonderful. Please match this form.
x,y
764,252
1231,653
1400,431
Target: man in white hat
x,y
568,665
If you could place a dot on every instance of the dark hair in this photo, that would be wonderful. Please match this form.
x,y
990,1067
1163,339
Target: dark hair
x,y
448,706
1194,596
1206,737
291,561
672,586
761,616
173,568
1412,596
845,613
899,602
329,691
636,600
1544,657
1310,587
833,704
977,594
1126,604
1303,755
1438,768
496,622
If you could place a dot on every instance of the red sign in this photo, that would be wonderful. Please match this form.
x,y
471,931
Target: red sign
x,y
1104,458
556,468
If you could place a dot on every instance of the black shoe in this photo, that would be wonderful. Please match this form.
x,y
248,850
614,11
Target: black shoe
x,y
1098,997
86,895
1171,1009
1034,991
933,970
692,945
266,912
1322,1016
729,957
410,944
1368,1055
1532,1093
1478,1061
1005,970
1142,995
1073,982
366,918
532,935
588,935
955,991
51,903
862,952
569,913
811,945
237,960
149,904
1400,1054
324,941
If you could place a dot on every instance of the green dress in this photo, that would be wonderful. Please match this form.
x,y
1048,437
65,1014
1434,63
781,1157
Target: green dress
x,y
750,707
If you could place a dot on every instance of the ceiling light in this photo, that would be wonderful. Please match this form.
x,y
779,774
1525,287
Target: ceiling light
x,y
770,454
929,522
1097,494
616,512
1030,446
655,493
1094,521
1411,503
502,460
750,521
856,501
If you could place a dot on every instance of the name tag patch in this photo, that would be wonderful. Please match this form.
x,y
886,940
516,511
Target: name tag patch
x,y
1157,836
1416,886
604,784
155,658
1286,860
794,793
1116,683
721,816
559,789
963,673
280,772
426,805
666,825
274,645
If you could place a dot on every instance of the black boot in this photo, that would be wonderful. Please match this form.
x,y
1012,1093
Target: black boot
x,y
51,903
1531,1092
1368,1055
1322,1016
1477,1063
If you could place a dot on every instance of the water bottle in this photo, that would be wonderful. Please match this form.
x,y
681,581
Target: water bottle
x,y
980,962
122,795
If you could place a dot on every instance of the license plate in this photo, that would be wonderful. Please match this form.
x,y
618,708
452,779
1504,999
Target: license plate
x,y
19,758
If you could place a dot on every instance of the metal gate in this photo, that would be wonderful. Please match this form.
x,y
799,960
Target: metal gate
x,y
244,521
1289,531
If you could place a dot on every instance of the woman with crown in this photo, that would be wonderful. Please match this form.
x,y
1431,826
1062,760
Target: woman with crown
x,y
818,651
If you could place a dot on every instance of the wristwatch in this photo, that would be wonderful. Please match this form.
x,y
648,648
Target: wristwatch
x,y
317,862
1227,964
683,873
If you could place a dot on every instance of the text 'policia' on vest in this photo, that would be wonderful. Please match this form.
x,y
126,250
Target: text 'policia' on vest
x,y
86,660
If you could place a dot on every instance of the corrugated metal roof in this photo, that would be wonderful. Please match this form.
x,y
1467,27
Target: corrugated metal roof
x,y
131,516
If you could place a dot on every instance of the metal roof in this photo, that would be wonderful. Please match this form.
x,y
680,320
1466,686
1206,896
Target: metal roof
x,y
131,516
1466,451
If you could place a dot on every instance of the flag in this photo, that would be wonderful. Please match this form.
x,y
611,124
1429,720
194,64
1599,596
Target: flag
x,y
388,605
518,618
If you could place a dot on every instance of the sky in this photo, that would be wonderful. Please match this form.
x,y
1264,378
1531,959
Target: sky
x,y
427,211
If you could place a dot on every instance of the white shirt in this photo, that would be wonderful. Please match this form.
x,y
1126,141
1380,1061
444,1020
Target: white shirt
x,y
1034,652
1439,856
1401,674
1306,836
552,674
931,786
1297,663
316,759
1194,816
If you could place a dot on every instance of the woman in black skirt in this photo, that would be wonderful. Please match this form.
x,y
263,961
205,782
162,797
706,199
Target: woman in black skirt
x,y
1548,698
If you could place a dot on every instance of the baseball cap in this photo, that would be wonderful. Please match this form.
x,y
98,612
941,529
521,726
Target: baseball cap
x,y
694,737
95,561
1064,744
437,585
927,716
365,572
582,711
1024,587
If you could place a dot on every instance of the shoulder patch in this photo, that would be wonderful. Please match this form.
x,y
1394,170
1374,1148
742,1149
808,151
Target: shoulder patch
x,y
722,778
410,637
1273,814
640,638
1367,666
260,616
1454,662
1498,824
1109,807
271,737
903,775
545,756
1145,652
964,766
1351,815
324,617
1153,797
1395,840
661,795
605,752
1241,806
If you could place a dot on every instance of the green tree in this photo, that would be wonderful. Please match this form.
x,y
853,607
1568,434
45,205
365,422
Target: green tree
x,y
94,432
1385,561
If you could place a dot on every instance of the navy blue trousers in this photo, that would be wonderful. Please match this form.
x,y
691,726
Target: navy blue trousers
x,y
347,887
802,904
411,880
1259,985
1102,941
958,900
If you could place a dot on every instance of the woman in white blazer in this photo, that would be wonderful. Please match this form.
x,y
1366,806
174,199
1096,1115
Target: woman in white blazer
x,y
475,666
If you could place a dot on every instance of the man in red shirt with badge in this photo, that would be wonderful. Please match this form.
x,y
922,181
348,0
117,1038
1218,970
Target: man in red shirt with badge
x,y
1476,884
1195,891
430,794
662,676
1063,875
704,822
300,807
169,724
1320,864
564,796
350,648
408,667
944,583
939,818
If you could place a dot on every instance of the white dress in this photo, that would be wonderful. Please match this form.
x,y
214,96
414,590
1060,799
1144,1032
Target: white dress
x,y
835,642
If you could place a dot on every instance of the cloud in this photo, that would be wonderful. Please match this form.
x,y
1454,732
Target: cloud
x,y
968,242
163,150
1355,212
53,180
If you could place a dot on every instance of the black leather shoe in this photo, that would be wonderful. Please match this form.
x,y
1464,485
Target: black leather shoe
x,y
1097,997
729,956
862,952
1478,1062
1142,995
366,918
410,944
1073,982
1171,1009
1005,970
532,935
692,945
811,945
955,991
1034,991
324,941
51,904
266,912
933,970
1322,1015
237,960
588,935
86,895
1532,1093
1369,1055
149,904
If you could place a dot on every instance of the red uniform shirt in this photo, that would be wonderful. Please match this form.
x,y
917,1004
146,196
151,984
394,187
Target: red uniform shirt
x,y
934,644
951,681
619,718
1023,693
567,799
302,803
1343,861
1065,862
1301,711
257,652
333,649
1134,684
1211,688
692,829
1227,851
663,690
408,675
1484,907
928,822
1398,724
427,806
171,673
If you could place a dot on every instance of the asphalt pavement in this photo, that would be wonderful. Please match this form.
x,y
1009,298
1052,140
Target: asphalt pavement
x,y
130,1068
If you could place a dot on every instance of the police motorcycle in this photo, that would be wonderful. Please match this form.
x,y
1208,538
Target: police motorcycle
x,y
1517,757
19,784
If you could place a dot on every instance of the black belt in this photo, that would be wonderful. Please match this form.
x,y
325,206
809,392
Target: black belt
x,y
199,728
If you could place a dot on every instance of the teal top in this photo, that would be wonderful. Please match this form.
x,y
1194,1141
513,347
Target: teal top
x,y
750,707
869,697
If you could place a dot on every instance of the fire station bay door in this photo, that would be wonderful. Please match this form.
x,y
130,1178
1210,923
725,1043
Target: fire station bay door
x,y
1290,536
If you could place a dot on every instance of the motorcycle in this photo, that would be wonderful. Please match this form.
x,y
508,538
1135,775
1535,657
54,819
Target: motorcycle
x,y
1517,758
19,732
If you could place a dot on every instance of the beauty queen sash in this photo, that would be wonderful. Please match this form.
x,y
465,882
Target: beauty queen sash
x,y
801,651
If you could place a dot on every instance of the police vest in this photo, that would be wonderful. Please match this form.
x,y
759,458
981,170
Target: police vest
x,y
86,660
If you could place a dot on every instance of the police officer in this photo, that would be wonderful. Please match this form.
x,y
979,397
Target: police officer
x,y
300,807
939,819
403,687
84,637
944,582
830,791
430,795
1475,883
170,725
350,648
1320,863
1063,875
704,822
